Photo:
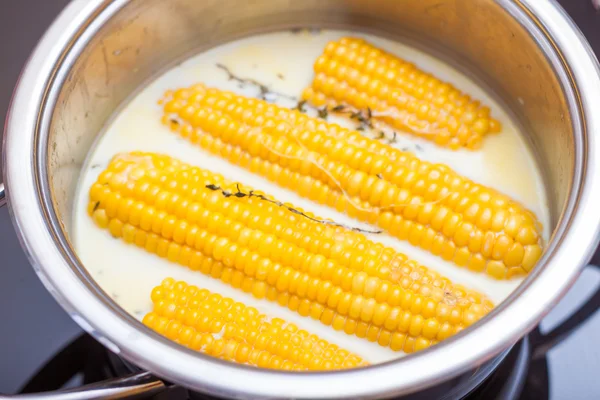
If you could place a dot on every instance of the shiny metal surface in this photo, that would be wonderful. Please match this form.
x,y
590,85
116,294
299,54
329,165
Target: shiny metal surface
x,y
138,385
99,51
2,195
139,39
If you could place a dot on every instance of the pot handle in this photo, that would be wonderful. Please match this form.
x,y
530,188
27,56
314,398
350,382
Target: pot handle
x,y
2,195
140,384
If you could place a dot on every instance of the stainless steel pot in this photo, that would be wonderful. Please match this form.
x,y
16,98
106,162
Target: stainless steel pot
x,y
98,52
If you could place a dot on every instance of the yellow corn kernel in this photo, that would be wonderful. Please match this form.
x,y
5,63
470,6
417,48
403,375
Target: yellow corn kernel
x,y
215,325
355,73
279,252
363,177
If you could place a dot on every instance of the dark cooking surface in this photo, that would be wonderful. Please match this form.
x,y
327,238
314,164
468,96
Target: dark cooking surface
x,y
33,327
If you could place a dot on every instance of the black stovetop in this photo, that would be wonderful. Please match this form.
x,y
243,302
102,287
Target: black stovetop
x,y
34,329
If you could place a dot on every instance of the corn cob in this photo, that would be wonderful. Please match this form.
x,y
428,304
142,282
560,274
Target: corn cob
x,y
427,204
220,327
354,73
250,241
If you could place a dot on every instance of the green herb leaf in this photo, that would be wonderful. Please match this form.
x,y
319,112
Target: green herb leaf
x,y
323,113
301,106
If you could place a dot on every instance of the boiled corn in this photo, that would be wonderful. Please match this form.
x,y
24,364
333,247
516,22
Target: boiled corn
x,y
223,328
427,204
353,72
326,272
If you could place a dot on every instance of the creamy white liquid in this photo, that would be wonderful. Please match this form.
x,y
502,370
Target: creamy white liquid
x,y
283,61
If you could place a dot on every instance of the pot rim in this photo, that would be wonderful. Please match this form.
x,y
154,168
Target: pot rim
x,y
32,212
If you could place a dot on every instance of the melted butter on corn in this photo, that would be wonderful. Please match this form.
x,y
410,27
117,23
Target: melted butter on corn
x,y
324,272
353,72
426,204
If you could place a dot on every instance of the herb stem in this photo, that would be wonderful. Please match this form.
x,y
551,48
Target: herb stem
x,y
266,93
241,194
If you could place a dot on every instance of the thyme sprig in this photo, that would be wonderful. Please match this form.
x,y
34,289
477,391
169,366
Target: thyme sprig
x,y
365,120
393,139
266,93
363,117
240,194
323,113
301,106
